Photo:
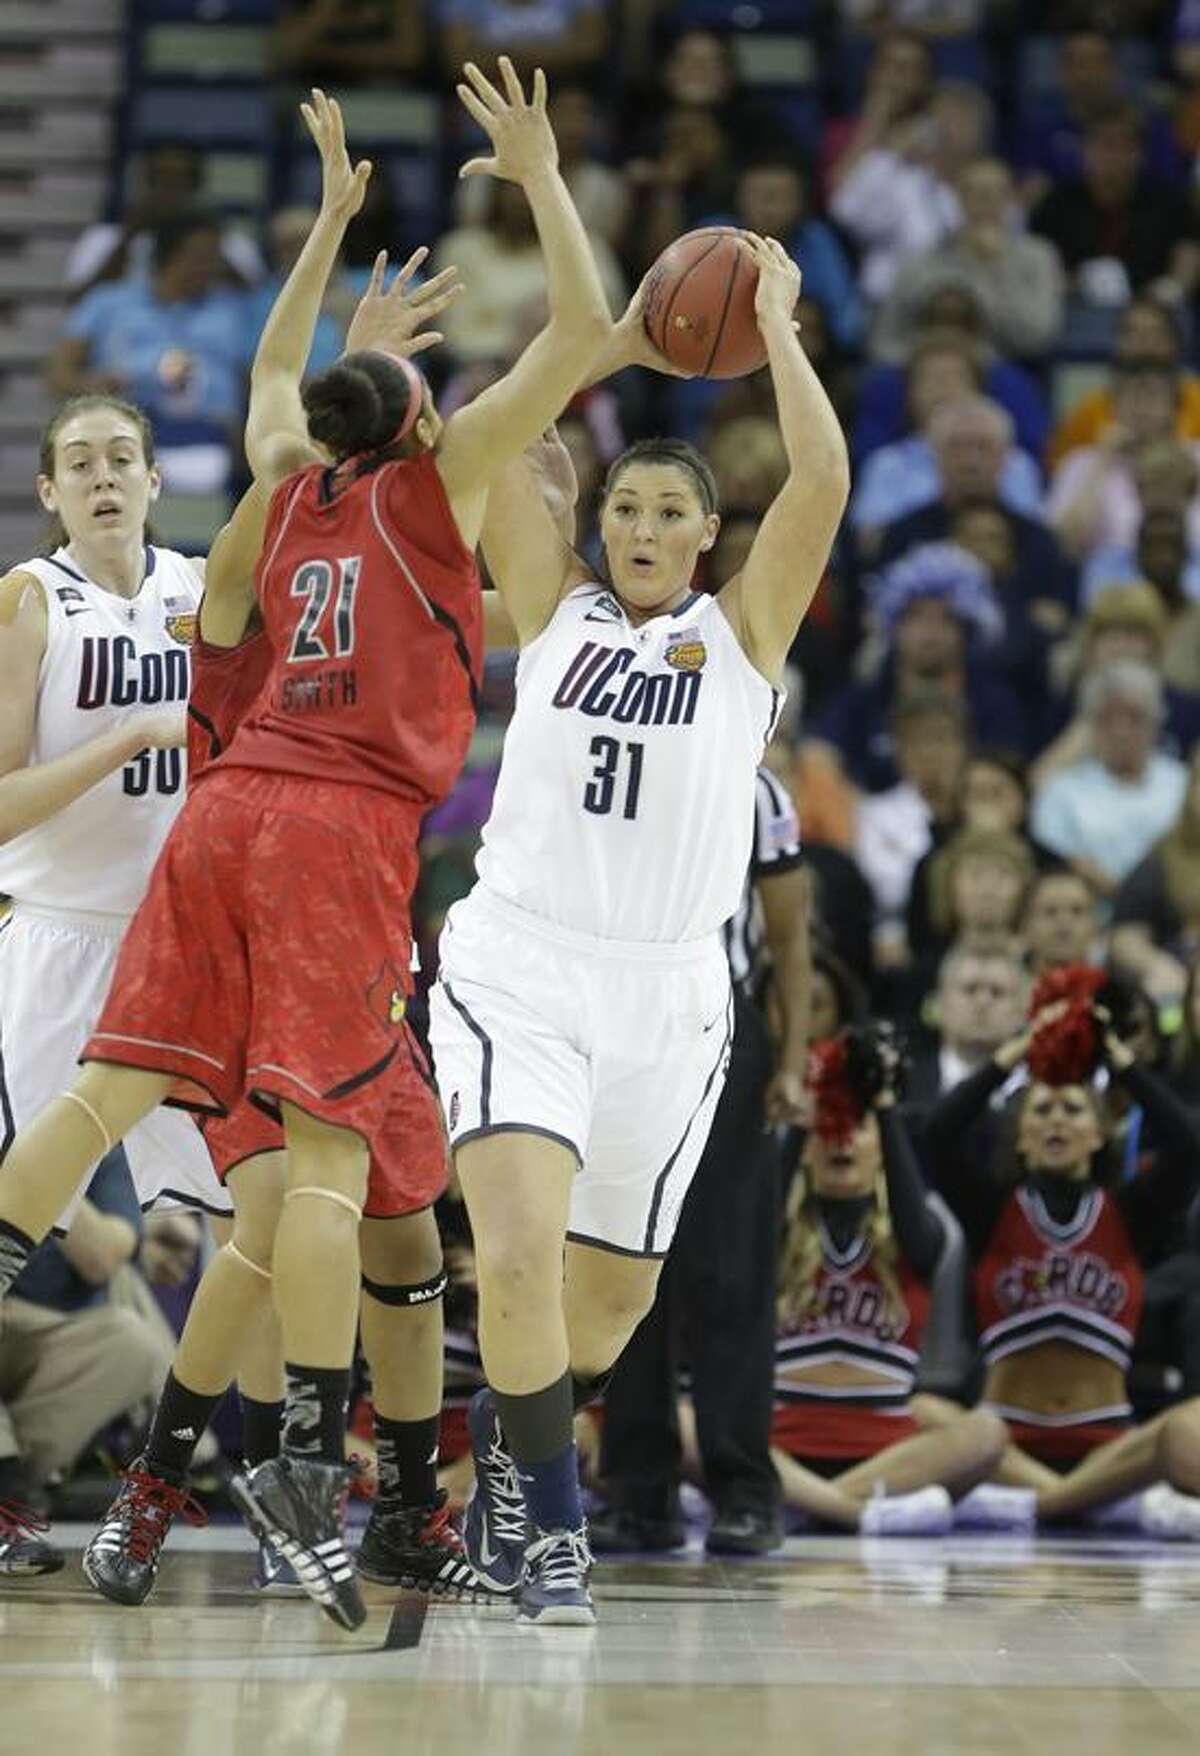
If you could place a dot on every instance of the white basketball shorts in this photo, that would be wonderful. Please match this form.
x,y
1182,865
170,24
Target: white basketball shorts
x,y
618,1051
55,969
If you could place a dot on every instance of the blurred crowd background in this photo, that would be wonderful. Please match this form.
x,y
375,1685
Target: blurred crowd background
x,y
992,728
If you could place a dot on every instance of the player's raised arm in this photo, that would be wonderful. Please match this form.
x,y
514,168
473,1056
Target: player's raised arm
x,y
528,535
277,440
483,438
768,599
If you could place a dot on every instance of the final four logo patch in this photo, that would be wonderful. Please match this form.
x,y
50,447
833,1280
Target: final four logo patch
x,y
686,650
180,620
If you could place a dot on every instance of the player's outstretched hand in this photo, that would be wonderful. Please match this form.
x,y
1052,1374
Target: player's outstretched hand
x,y
778,280
391,318
161,728
523,143
342,186
550,462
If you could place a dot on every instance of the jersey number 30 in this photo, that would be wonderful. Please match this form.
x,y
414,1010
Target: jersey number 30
x,y
598,794
314,581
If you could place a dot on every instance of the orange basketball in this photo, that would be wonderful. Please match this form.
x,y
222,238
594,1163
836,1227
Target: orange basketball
x,y
699,308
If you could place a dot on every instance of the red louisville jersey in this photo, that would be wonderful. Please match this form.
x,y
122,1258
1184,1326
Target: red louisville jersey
x,y
854,1320
372,610
226,682
1041,1281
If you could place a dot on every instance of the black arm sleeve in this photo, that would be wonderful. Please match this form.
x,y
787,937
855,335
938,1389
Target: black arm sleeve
x,y
1152,1200
961,1170
919,1231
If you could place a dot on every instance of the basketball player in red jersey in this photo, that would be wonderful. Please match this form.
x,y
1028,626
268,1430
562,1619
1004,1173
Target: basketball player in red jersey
x,y
409,1541
271,954
1058,1276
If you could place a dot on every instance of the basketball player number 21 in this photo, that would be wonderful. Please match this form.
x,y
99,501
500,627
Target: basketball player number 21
x,y
598,794
314,581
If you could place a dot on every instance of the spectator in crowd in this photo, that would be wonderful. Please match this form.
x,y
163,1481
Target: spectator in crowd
x,y
897,200
938,615
351,41
167,180
1156,911
568,38
905,477
1117,228
749,462
1183,1068
1017,279
980,1001
1125,622
500,262
1049,143
1104,813
899,93
1166,479
772,197
994,799
977,886
686,172
1062,921
971,440
1146,330
71,1360
951,308
897,826
177,345
1093,501
287,233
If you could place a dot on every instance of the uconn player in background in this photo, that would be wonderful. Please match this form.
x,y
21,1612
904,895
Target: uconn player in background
x,y
272,952
581,1023
409,1541
94,674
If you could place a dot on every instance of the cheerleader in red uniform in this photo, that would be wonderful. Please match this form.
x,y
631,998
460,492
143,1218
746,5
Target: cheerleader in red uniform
x,y
862,1241
1058,1248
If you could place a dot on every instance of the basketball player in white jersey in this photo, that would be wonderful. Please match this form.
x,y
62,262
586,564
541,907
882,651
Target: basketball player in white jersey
x,y
94,674
581,1022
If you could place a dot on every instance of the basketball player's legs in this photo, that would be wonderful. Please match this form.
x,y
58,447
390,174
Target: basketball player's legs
x,y
401,1321
50,1157
409,1541
605,1297
231,1329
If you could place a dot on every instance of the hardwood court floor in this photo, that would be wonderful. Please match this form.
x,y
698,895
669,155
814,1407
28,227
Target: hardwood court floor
x,y
894,1648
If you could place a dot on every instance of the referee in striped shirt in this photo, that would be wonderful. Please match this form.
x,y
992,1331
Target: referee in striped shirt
x,y
717,1289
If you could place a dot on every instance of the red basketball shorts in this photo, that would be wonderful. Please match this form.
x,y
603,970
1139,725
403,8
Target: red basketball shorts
x,y
409,1165
270,955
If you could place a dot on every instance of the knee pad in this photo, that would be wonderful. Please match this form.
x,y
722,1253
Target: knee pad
x,y
322,1194
246,1261
422,1293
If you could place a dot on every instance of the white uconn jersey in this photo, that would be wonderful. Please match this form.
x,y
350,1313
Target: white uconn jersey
x,y
106,656
625,804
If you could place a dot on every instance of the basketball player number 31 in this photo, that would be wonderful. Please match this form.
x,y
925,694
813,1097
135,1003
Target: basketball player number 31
x,y
598,794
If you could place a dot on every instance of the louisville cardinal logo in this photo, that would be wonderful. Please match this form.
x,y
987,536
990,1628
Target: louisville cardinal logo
x,y
386,997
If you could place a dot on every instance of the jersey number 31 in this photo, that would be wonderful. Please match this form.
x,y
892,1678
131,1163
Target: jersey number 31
x,y
598,794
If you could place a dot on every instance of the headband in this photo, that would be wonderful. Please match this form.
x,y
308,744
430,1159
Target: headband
x,y
416,394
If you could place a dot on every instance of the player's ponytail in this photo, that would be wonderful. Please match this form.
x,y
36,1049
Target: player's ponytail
x,y
367,402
